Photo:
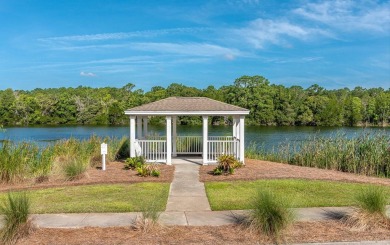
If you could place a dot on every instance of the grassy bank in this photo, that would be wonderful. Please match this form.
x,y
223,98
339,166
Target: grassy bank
x,y
98,198
367,153
27,160
302,193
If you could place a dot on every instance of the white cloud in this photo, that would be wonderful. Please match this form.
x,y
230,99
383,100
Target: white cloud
x,y
121,35
87,74
243,2
282,60
261,32
167,48
349,16
229,57
191,49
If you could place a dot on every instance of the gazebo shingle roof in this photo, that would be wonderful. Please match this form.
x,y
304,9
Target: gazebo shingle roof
x,y
186,105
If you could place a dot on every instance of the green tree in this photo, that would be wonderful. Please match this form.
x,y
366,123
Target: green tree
x,y
255,94
353,111
382,107
7,107
331,115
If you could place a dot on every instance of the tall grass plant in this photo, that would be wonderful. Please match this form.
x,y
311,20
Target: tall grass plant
x,y
16,210
372,200
75,168
370,210
15,160
270,215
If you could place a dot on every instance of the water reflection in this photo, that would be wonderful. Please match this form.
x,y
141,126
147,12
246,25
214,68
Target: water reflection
x,y
267,136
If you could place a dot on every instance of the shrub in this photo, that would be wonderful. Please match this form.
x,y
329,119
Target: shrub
x,y
75,168
134,162
370,211
226,165
16,210
270,215
148,170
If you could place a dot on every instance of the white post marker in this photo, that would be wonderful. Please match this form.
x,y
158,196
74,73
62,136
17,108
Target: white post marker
x,y
103,151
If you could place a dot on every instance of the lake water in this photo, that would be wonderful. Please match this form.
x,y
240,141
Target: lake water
x,y
267,136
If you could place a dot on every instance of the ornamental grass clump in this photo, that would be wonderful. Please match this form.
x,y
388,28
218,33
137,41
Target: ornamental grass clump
x,y
148,220
226,165
270,215
16,210
75,168
370,210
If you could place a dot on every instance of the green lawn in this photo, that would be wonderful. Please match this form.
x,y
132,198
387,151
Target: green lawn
x,y
98,198
301,193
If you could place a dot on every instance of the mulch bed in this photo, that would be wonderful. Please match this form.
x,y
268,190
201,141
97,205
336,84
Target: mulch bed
x,y
257,169
114,174
326,231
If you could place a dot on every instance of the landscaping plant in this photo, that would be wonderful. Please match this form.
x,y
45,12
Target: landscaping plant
x,y
16,210
370,211
148,170
226,165
269,215
134,162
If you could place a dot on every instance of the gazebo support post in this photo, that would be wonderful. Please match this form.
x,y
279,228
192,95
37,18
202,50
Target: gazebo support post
x,y
169,140
174,136
242,138
205,137
145,121
139,127
132,136
235,135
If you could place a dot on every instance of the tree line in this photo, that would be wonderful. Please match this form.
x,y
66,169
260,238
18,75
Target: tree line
x,y
269,104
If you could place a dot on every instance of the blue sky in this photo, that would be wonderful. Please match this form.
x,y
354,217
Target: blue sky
x,y
96,43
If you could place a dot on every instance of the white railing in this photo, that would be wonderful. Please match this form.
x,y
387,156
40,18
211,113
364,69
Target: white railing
x,y
155,137
220,138
189,144
153,150
216,148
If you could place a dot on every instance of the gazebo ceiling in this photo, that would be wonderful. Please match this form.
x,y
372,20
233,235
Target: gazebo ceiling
x,y
187,106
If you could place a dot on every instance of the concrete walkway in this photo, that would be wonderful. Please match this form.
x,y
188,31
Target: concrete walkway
x,y
186,192
187,218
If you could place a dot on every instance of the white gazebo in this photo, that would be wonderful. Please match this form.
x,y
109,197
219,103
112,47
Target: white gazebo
x,y
162,148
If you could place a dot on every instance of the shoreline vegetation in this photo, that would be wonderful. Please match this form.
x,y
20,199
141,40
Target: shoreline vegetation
x,y
70,157
269,104
366,154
